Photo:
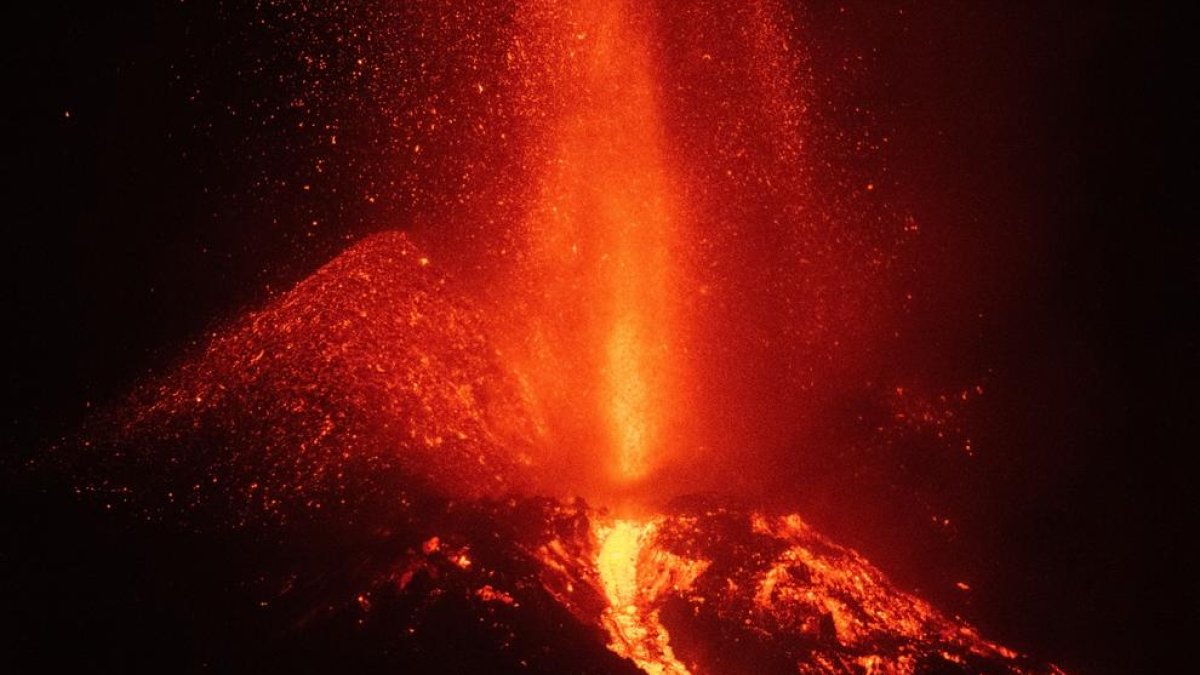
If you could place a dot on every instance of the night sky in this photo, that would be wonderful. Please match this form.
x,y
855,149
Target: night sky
x,y
160,181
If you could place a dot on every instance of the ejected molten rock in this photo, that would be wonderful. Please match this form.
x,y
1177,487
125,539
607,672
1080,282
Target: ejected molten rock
x,y
601,231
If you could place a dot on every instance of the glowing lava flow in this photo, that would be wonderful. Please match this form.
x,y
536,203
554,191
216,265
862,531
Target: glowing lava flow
x,y
636,635
630,619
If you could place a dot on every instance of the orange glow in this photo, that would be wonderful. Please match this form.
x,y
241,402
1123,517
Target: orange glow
x,y
628,401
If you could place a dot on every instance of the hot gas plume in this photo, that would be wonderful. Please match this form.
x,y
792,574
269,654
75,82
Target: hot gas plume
x,y
650,264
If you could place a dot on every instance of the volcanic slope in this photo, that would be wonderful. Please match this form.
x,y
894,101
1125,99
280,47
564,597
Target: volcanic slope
x,y
367,379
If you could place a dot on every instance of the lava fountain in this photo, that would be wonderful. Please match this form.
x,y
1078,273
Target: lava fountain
x,y
602,259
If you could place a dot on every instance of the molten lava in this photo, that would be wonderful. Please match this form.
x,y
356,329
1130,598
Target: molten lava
x,y
776,594
625,555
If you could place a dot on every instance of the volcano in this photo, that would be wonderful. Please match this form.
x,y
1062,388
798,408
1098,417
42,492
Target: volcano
x,y
598,336
358,460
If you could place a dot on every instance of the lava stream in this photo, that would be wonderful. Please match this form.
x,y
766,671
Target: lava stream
x,y
630,619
